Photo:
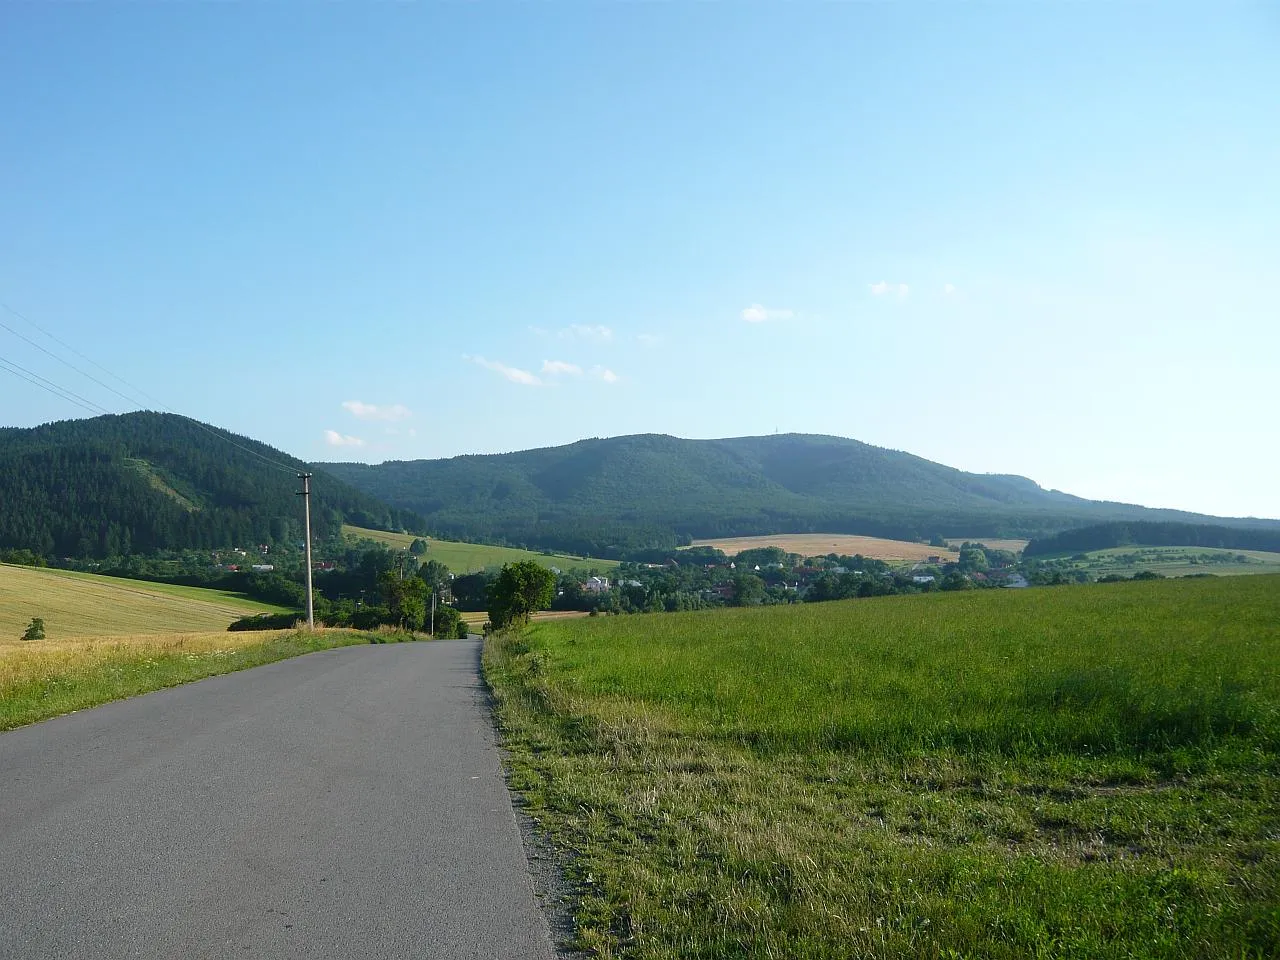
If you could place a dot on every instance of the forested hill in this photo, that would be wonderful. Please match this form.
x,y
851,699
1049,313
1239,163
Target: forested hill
x,y
605,496
1104,536
145,481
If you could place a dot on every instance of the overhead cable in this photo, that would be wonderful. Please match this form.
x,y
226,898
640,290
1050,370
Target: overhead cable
x,y
133,402
61,392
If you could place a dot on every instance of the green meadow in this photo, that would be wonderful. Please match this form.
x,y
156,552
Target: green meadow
x,y
1083,772
1177,561
473,557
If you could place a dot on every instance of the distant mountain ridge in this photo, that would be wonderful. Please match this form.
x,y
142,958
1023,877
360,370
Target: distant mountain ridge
x,y
607,496
141,482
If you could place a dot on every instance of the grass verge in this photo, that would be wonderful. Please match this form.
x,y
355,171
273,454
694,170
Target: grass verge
x,y
1085,772
45,678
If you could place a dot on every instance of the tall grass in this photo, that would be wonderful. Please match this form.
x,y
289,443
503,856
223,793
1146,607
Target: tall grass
x,y
1084,772
44,678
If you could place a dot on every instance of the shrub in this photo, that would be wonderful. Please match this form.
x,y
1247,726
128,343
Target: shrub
x,y
35,630
265,621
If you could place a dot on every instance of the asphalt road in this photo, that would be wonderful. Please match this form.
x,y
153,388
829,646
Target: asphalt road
x,y
344,804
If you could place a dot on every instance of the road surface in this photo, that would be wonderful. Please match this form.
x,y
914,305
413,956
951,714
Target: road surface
x,y
344,804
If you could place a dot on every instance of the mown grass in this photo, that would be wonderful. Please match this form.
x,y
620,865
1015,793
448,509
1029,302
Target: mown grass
x,y
83,604
1074,772
45,678
473,557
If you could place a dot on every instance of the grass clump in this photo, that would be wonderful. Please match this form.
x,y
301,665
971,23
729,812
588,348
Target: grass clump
x,y
47,678
1083,772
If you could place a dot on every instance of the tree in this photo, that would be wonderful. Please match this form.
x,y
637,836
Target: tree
x,y
521,588
35,631
471,590
435,574
748,590
447,620
418,547
955,580
406,599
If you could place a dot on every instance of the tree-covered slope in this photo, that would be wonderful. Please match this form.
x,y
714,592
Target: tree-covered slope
x,y
602,496
1104,536
146,481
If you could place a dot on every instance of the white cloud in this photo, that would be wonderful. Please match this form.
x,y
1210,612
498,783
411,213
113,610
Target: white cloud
x,y
557,367
949,289
539,331
514,374
582,331
335,439
882,288
371,411
761,314
649,339
605,374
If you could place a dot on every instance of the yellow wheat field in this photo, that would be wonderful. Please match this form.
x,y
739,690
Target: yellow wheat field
x,y
821,544
24,661
85,605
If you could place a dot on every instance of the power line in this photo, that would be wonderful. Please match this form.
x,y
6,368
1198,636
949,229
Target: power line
x,y
280,465
67,363
61,392
66,346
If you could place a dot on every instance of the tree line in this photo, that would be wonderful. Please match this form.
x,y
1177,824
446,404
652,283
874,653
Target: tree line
x,y
1105,536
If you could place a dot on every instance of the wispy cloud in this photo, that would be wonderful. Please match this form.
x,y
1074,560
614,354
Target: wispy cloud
x,y
335,439
757,313
884,288
582,331
949,289
605,374
514,374
371,411
555,368
648,339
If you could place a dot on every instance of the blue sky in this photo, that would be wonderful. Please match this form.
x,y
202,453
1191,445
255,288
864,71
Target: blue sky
x,y
1026,238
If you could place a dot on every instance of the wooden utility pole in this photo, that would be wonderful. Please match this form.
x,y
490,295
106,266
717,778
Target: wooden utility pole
x,y
433,611
306,507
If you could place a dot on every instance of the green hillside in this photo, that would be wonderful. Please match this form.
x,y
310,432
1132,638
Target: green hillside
x,y
1070,772
473,557
604,496
86,605
146,481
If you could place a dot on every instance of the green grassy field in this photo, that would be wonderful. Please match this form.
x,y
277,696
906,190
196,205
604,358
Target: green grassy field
x,y
1085,772
474,557
1176,561
84,604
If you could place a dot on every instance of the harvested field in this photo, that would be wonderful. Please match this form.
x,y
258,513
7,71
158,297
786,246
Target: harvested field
x,y
821,544
476,618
